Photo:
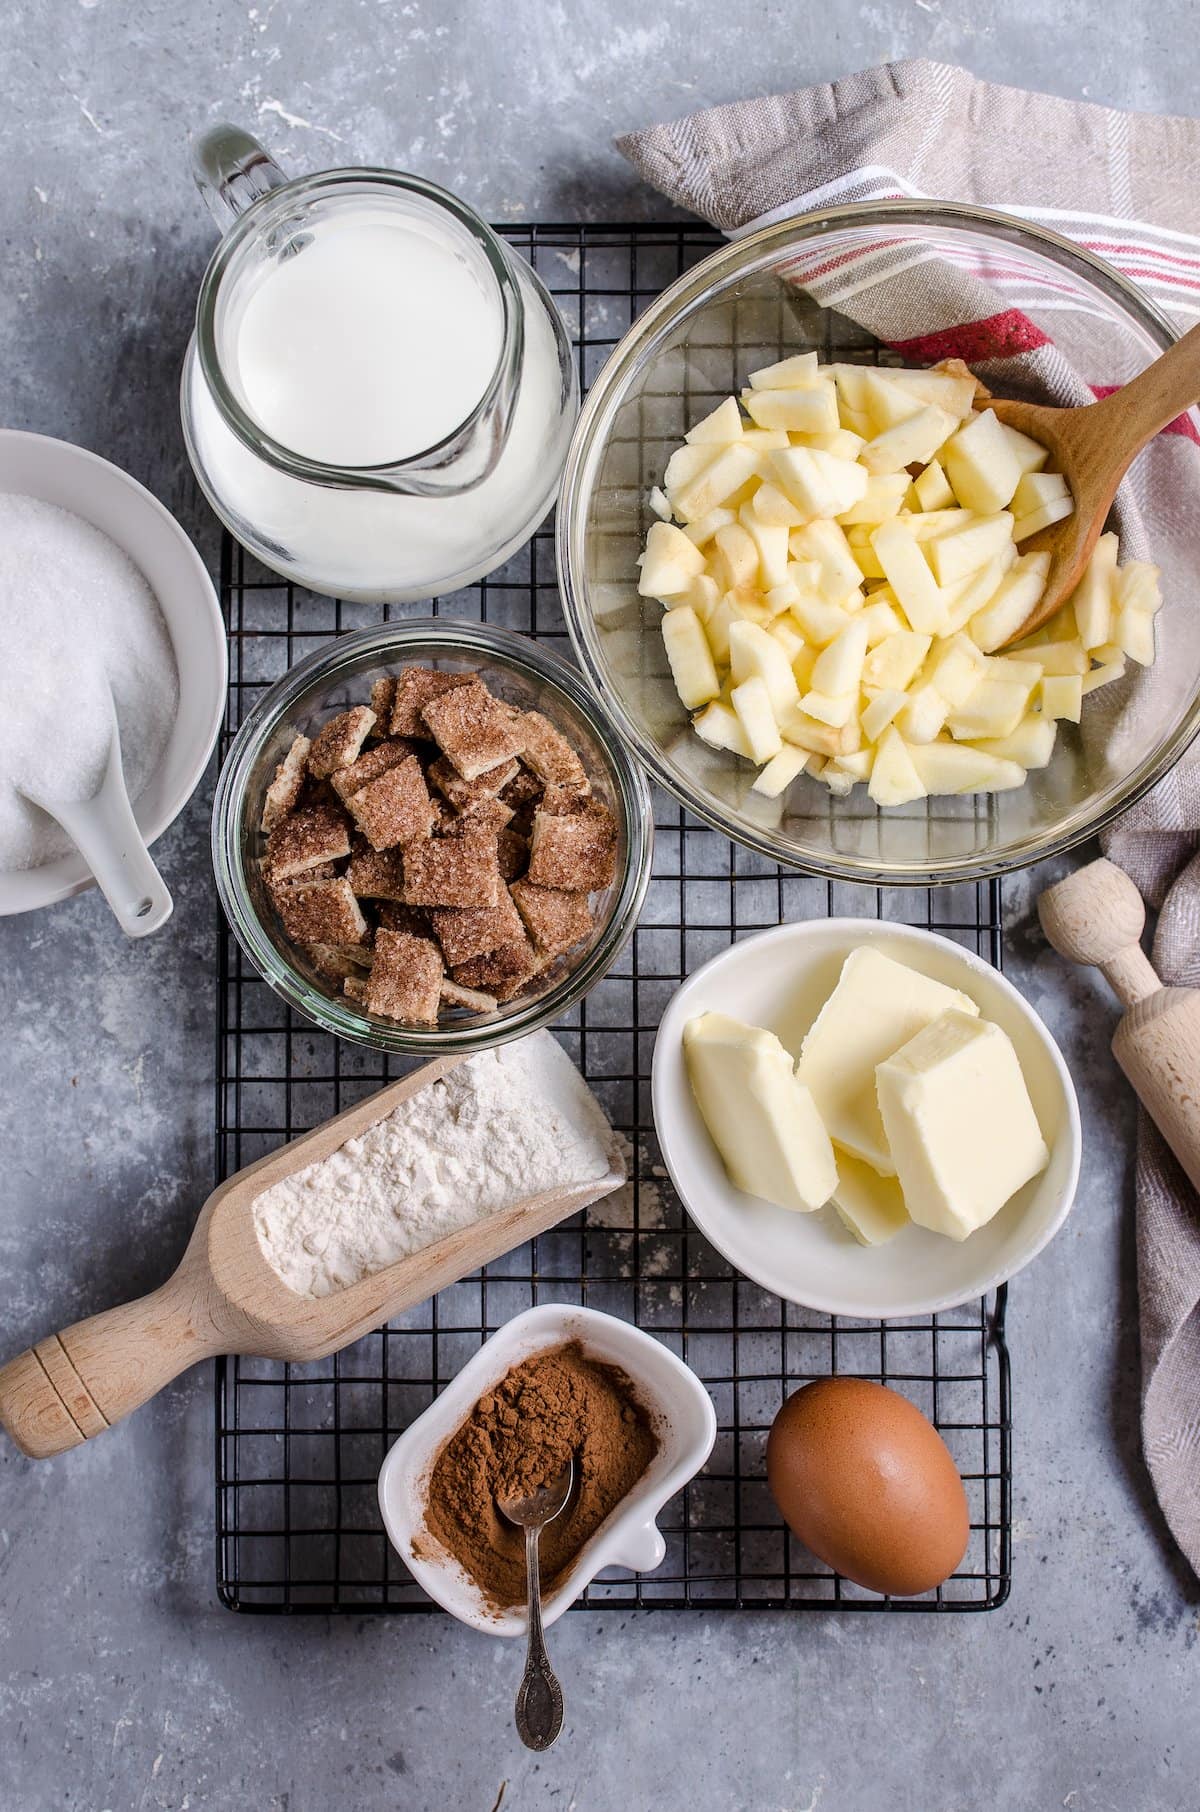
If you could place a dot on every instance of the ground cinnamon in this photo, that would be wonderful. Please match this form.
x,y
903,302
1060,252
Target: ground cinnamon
x,y
557,1405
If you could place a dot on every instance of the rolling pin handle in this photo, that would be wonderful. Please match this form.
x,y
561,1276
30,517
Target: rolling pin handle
x,y
1096,916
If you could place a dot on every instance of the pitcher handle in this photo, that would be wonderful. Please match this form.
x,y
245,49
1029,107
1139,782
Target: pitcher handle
x,y
232,171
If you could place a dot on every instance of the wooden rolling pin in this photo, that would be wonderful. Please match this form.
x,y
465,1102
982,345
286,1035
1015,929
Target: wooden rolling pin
x,y
225,1298
1097,916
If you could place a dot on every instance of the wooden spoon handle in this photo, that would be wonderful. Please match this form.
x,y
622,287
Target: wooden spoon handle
x,y
76,1384
1150,401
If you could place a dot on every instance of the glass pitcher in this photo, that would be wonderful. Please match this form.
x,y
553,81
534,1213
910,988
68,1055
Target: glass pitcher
x,y
343,509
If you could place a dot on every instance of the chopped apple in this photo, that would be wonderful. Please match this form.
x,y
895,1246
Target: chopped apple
x,y
954,394
717,627
1036,489
1061,695
765,440
719,428
908,573
865,558
881,711
819,484
771,541
840,442
783,630
933,488
995,708
803,662
911,442
1030,454
894,779
851,382
1030,745
1137,587
833,708
1053,657
886,403
771,504
670,562
835,777
685,466
1049,513
839,667
925,712
927,525
819,621
703,595
660,503
1103,675
799,372
895,663
956,669
818,738
690,657
737,556
752,702
955,767
1092,599
781,770
969,595
1017,596
825,542
858,763
704,528
719,480
812,410
718,726
880,500
880,617
954,556
754,652
981,465
1135,635
781,597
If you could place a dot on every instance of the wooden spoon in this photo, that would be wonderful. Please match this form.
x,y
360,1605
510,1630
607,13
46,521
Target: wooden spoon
x,y
225,1298
1093,447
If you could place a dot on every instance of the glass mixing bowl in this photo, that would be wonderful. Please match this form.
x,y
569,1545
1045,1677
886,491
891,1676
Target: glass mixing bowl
x,y
743,307
340,674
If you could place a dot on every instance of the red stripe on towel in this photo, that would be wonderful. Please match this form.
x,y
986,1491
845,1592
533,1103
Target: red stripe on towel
x,y
1001,336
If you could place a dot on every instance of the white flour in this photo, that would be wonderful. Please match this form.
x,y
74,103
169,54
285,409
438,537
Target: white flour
x,y
504,1125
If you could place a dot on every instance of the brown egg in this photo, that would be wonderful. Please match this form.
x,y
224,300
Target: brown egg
x,y
866,1482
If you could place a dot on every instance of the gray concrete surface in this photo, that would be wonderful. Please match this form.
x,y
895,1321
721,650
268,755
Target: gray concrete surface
x,y
123,1685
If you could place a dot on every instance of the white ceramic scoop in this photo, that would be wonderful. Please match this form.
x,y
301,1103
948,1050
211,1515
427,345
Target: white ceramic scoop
x,y
105,832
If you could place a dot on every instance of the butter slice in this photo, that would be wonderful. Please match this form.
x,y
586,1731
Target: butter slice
x,y
762,1121
960,1123
878,1005
869,1206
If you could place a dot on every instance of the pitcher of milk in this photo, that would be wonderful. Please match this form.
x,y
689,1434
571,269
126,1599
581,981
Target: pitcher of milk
x,y
378,396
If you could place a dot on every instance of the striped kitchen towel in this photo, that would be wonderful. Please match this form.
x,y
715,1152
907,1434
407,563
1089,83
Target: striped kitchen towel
x,y
1123,186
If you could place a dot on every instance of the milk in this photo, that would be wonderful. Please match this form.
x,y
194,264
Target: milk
x,y
359,330
371,343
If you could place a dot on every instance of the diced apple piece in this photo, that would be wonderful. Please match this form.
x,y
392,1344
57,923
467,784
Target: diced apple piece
x,y
881,711
803,662
1012,671
835,777
781,770
753,651
894,779
702,595
852,385
705,527
1049,513
1135,635
952,557
783,630
659,503
856,422
819,621
1030,454
839,667
1092,599
954,394
927,525
865,557
886,403
840,442
956,668
1053,657
771,541
719,428
1061,695
825,542
690,657
970,595
1103,675
981,465
911,442
752,702
1030,745
994,708
718,725
1036,489
925,712
765,440
818,738
737,556
1018,595
799,372
880,500
1137,587
819,484
955,767
908,574
895,663
857,764
812,410
933,488
721,479
685,466
771,504
670,562
880,617
781,597
833,708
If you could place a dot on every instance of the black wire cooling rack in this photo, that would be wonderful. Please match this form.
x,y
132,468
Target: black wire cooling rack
x,y
298,1447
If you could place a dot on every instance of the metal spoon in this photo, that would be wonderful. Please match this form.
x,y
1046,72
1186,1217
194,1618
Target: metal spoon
x,y
539,1710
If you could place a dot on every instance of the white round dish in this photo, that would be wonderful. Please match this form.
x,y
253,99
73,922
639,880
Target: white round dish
x,y
779,979
59,473
684,1420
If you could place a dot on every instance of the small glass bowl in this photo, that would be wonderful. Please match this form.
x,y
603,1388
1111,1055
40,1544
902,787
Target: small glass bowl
x,y
339,675
747,305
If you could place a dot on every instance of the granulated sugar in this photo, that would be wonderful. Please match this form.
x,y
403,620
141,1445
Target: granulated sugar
x,y
503,1126
76,619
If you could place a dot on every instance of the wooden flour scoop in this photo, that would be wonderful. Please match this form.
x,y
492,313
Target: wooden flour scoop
x,y
1096,916
225,1298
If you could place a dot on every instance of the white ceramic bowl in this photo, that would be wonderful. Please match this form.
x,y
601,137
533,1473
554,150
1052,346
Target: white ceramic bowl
x,y
684,1420
57,472
779,979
